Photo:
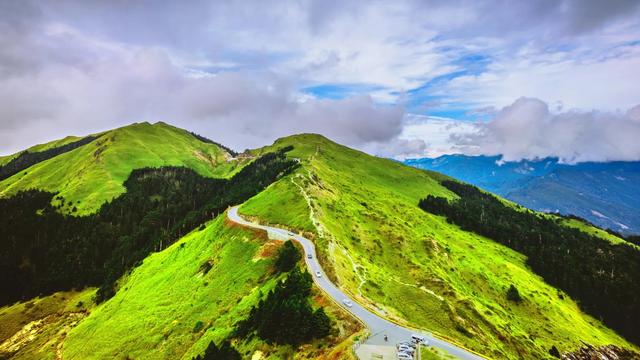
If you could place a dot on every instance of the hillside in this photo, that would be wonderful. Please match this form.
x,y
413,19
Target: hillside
x,y
170,307
88,176
415,267
606,194
160,280
164,274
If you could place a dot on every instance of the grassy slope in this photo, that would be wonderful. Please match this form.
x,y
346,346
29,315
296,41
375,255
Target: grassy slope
x,y
154,313
35,329
41,147
590,229
415,267
94,173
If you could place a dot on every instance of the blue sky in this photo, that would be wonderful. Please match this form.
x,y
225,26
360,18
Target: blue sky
x,y
379,76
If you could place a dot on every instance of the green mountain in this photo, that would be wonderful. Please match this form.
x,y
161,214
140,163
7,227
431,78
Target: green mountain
x,y
93,174
185,277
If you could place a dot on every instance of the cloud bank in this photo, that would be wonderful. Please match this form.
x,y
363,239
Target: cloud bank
x,y
527,129
245,73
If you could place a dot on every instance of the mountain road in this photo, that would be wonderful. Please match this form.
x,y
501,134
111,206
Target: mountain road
x,y
377,325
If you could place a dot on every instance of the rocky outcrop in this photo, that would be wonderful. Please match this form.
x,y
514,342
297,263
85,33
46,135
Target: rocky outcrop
x,y
609,352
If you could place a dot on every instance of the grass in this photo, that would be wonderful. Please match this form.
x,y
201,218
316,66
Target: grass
x,y
35,329
373,240
590,229
168,308
431,353
92,174
412,266
41,147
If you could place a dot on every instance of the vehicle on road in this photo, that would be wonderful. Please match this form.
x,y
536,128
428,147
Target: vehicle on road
x,y
418,339
407,343
309,256
347,303
318,274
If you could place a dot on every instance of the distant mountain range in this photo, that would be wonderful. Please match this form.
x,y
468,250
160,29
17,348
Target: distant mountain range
x,y
607,194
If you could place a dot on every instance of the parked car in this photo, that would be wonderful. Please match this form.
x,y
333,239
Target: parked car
x,y
407,343
318,274
347,303
407,349
404,356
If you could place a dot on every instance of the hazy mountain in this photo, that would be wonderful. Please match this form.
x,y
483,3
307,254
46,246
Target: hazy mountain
x,y
607,194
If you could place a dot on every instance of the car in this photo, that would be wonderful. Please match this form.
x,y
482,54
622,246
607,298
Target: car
x,y
418,339
406,343
407,349
404,356
347,303
318,274
309,256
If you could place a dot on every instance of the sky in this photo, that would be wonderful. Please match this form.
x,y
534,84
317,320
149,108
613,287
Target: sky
x,y
401,79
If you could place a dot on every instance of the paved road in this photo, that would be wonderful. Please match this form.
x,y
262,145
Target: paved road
x,y
377,325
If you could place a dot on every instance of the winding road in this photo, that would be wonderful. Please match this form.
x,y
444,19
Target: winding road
x,y
377,325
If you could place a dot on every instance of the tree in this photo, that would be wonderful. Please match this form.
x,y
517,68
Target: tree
x,y
224,352
288,257
285,316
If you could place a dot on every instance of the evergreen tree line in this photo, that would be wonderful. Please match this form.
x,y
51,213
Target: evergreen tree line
x,y
43,251
209,141
603,277
285,316
27,159
223,352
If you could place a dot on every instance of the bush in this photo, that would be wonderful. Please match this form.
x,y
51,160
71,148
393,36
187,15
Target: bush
x,y
198,326
513,294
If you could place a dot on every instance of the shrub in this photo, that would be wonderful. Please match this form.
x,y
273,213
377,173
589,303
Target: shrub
x,y
513,294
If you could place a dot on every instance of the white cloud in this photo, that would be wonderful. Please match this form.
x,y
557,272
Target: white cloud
x,y
233,70
527,129
436,133
604,83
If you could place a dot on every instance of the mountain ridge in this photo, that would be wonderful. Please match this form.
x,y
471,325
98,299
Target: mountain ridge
x,y
374,242
606,194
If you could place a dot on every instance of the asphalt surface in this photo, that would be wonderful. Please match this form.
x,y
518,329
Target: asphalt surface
x,y
377,325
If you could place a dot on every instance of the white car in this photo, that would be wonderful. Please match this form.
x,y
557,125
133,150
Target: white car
x,y
347,303
404,356
318,274
406,343
407,349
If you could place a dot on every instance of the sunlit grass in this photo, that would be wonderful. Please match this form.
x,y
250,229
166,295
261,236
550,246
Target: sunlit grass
x,y
92,174
414,267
